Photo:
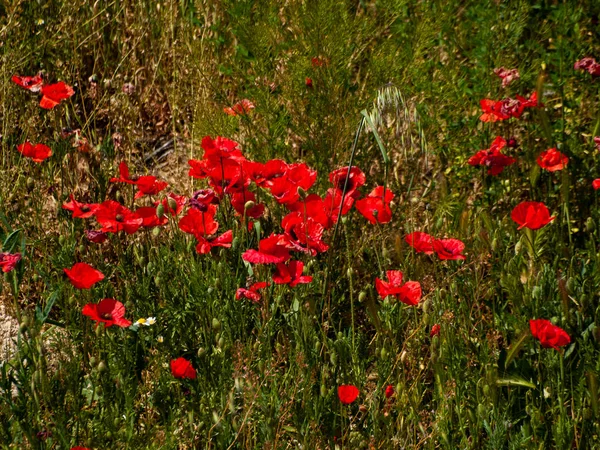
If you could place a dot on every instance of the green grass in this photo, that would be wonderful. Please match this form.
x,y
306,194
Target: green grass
x,y
267,375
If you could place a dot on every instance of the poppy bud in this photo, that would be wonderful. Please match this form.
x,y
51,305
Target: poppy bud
x,y
61,240
99,331
403,356
249,205
323,390
201,352
221,342
481,411
235,243
149,267
302,193
333,358
160,211
383,353
317,346
590,225
155,231
362,296
101,365
171,203
93,361
518,248
216,324
349,272
30,184
571,286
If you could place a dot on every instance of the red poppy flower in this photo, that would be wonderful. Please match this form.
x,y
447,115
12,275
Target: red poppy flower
x,y
303,234
203,199
80,210
408,293
199,223
356,179
347,393
450,249
83,276
552,160
285,188
492,158
114,217
375,207
149,217
96,236
270,251
240,108
421,242
9,261
588,64
389,391
264,174
149,185
596,184
492,111
506,108
507,75
318,61
240,199
33,84
550,336
220,148
109,311
37,153
324,211
435,330
79,448
308,82
123,175
291,274
206,244
53,94
252,292
182,368
532,215
597,142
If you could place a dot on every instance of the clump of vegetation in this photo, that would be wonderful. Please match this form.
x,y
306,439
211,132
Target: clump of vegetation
x,y
346,224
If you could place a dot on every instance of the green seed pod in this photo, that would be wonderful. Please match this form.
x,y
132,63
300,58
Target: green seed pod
x,y
384,353
101,366
171,203
216,324
323,390
333,358
590,225
160,211
201,352
221,342
362,296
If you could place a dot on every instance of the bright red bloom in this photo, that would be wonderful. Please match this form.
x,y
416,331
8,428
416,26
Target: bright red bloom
x,y
239,201
347,393
199,223
83,276
53,94
252,292
550,336
221,148
270,251
308,82
389,391
450,249
552,160
123,175
203,199
150,218
37,153
291,274
409,292
265,174
507,75
33,84
324,211
109,311
285,188
303,234
421,242
494,110
240,108
356,179
435,330
182,368
79,448
9,261
149,185
597,142
375,207
318,61
97,237
114,217
205,245
492,158
80,210
596,184
532,215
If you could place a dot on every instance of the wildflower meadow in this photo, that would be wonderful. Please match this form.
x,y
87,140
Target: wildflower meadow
x,y
299,225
